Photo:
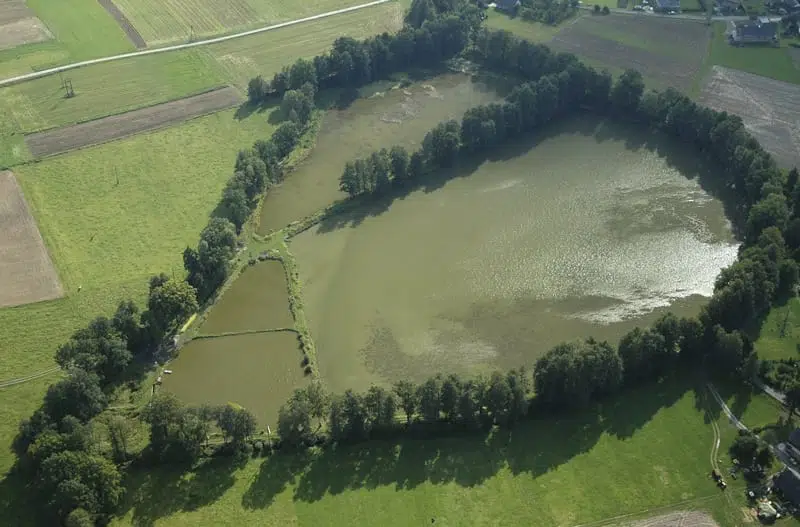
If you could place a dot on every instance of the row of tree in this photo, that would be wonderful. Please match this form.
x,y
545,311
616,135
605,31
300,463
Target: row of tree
x,y
428,39
479,402
256,170
179,432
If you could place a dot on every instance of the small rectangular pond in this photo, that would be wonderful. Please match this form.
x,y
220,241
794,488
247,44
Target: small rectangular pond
x,y
258,371
258,299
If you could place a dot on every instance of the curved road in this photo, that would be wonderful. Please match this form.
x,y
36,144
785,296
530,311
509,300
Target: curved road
x,y
58,69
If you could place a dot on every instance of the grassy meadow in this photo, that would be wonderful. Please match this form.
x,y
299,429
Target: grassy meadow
x,y
108,88
164,21
549,472
533,31
107,238
780,333
81,30
266,53
775,63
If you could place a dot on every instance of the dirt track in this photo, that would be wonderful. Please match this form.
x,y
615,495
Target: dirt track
x,y
26,271
126,124
133,35
19,26
769,109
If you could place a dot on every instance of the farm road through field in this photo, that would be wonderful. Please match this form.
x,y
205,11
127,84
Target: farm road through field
x,y
26,271
129,123
134,36
74,65
768,108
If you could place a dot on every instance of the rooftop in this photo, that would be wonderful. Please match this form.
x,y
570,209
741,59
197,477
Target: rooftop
x,y
789,484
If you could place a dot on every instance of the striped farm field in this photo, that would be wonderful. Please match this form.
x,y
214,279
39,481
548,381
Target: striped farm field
x,y
163,21
268,52
109,88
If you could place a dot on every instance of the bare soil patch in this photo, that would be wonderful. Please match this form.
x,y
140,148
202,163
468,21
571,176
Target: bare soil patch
x,y
666,52
768,107
126,25
126,124
19,26
673,519
26,271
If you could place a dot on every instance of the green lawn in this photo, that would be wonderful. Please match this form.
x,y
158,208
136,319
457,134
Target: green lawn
x,y
770,62
266,53
780,333
654,447
108,88
162,21
533,31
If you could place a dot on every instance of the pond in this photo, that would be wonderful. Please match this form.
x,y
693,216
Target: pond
x,y
393,117
258,299
585,231
258,371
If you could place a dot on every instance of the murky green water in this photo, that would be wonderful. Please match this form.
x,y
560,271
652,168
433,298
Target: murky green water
x,y
258,299
258,371
397,116
581,234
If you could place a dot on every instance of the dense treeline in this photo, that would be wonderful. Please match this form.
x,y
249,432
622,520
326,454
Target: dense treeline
x,y
766,269
77,475
434,31
73,473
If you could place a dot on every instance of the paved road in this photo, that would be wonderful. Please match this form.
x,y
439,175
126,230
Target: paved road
x,y
66,67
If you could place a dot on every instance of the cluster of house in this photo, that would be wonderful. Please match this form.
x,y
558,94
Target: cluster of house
x,y
787,481
760,30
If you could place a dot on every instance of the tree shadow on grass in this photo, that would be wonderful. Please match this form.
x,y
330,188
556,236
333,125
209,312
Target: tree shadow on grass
x,y
246,109
534,447
19,501
155,494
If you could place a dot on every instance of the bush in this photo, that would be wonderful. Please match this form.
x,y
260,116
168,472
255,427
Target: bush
x,y
79,518
606,10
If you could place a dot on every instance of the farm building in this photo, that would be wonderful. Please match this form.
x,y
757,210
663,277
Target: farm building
x,y
788,484
666,6
759,31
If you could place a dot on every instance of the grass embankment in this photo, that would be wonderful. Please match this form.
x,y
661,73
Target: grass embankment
x,y
163,21
779,337
109,238
654,447
767,61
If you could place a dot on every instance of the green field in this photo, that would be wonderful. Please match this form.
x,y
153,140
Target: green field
x,y
775,63
780,333
553,472
162,21
81,30
109,88
266,53
108,238
533,31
